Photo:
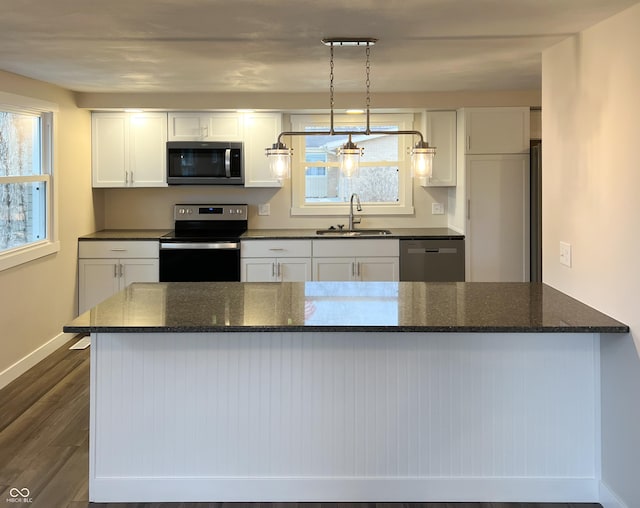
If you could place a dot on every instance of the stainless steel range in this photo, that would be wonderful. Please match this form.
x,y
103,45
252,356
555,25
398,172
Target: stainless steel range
x,y
205,245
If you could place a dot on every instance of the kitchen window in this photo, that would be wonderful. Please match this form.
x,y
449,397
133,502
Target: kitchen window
x,y
384,183
26,193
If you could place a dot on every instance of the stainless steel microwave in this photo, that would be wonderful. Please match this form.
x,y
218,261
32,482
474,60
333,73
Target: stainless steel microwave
x,y
205,163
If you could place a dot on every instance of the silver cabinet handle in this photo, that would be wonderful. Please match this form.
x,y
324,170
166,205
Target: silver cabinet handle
x,y
278,272
121,270
115,271
273,269
118,250
353,268
358,269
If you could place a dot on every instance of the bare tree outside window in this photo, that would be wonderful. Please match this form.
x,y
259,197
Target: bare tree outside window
x,y
22,187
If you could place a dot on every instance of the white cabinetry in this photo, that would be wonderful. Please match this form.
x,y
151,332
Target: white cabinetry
x,y
496,130
275,260
347,260
257,131
203,126
260,131
129,149
440,131
496,173
106,267
498,218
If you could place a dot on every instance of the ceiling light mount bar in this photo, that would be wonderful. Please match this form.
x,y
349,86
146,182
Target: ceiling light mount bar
x,y
280,155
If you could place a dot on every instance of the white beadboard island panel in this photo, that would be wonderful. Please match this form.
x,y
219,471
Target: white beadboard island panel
x,y
344,417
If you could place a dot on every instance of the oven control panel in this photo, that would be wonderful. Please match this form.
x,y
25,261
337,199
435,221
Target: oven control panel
x,y
208,212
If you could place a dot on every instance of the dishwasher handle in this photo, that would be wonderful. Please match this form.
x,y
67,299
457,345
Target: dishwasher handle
x,y
435,250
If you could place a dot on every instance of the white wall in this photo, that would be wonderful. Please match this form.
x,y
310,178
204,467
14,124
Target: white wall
x,y
38,297
591,185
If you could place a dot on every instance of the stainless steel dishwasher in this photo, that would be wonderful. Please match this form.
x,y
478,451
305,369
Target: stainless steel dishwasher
x,y
436,260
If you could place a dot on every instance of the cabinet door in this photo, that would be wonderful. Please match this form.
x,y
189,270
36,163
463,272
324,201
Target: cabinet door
x,y
223,127
441,133
498,218
497,130
148,150
260,131
109,149
334,269
98,279
294,269
195,126
378,269
258,270
138,270
187,126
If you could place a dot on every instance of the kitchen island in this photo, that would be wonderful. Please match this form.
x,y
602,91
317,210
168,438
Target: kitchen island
x,y
379,391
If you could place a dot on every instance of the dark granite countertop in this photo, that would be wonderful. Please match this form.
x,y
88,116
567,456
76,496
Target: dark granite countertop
x,y
275,234
404,233
343,307
126,234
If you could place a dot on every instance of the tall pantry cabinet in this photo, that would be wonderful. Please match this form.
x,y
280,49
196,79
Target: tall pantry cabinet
x,y
495,153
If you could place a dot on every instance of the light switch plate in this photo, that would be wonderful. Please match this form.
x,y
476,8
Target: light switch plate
x,y
264,209
437,209
565,254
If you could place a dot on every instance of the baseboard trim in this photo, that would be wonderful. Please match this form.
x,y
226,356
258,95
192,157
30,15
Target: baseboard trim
x,y
24,364
608,499
326,489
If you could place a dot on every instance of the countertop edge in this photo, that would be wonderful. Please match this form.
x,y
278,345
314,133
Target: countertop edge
x,y
345,329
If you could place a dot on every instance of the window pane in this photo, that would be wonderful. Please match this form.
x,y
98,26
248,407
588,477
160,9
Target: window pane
x,y
377,147
377,183
22,214
19,144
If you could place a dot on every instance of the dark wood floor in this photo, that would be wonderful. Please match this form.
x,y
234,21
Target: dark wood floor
x,y
44,422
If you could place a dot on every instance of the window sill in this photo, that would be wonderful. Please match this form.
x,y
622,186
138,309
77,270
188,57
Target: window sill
x,y
21,255
342,210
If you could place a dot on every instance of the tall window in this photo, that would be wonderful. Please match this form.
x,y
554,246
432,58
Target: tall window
x,y
25,185
383,183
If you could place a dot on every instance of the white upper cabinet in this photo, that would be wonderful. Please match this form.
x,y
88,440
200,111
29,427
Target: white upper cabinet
x,y
496,130
203,126
440,131
260,131
129,149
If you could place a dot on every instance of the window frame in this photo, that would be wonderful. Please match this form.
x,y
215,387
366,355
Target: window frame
x,y
50,244
404,205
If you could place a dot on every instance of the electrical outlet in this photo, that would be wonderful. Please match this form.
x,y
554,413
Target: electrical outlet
x,y
264,209
565,254
437,209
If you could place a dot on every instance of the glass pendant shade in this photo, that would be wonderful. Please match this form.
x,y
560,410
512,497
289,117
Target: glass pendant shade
x,y
350,159
422,160
279,160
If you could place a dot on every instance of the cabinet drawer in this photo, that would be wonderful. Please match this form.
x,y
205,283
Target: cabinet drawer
x,y
275,248
354,248
117,249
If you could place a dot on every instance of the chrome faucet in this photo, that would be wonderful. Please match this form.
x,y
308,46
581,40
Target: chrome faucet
x,y
354,220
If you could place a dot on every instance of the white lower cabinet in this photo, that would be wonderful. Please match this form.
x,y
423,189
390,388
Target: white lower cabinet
x,y
275,260
351,260
106,267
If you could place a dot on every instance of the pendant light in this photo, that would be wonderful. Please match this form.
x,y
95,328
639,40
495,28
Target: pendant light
x,y
280,155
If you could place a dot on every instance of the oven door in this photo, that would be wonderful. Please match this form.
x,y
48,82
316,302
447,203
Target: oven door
x,y
199,261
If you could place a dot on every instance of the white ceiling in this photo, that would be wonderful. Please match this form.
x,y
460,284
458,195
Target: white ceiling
x,y
274,45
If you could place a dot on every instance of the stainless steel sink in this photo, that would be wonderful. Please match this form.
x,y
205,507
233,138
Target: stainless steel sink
x,y
353,232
